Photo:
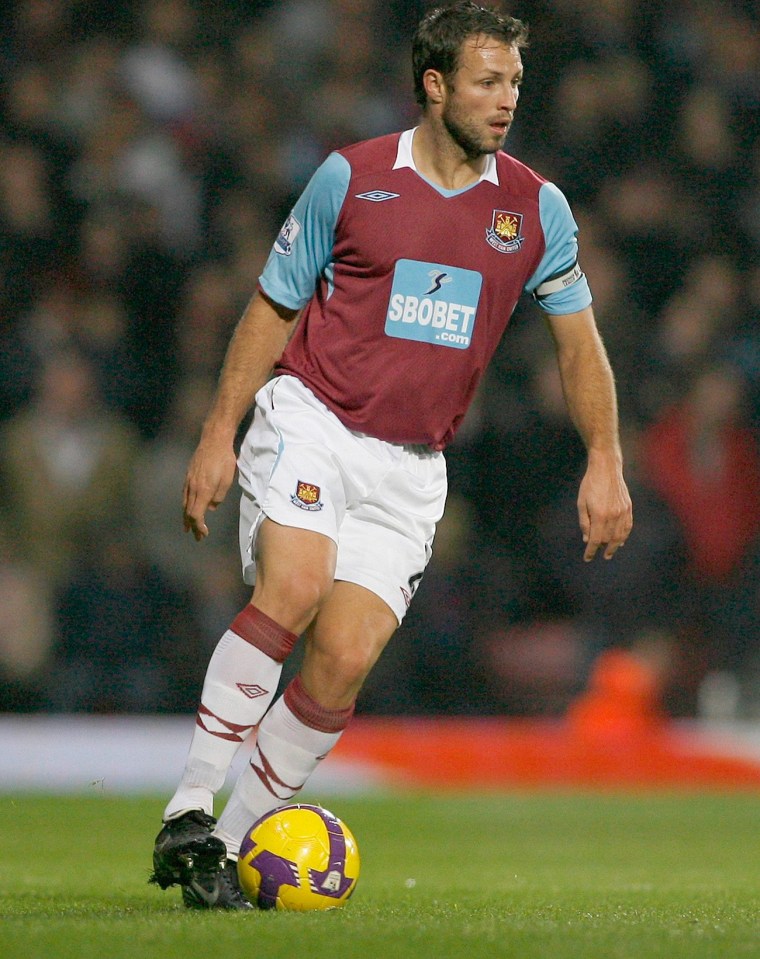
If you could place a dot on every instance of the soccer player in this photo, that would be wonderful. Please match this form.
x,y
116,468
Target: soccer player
x,y
379,308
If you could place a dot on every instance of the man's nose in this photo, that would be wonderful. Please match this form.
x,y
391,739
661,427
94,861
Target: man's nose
x,y
509,100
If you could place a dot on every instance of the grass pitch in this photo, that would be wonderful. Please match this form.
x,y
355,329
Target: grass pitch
x,y
529,876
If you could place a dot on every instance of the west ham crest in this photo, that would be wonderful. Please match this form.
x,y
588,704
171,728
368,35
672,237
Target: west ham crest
x,y
306,496
504,232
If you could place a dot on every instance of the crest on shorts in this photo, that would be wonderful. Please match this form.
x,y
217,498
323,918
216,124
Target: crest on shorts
x,y
307,496
504,232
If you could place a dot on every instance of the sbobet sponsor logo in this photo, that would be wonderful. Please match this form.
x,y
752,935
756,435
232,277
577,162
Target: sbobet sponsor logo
x,y
433,303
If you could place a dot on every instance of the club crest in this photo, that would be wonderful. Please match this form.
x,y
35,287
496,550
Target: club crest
x,y
504,232
306,496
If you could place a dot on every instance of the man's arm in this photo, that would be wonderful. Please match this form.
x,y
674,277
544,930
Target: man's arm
x,y
604,506
256,345
300,255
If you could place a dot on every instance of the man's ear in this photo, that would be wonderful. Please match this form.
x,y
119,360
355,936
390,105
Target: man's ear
x,y
434,84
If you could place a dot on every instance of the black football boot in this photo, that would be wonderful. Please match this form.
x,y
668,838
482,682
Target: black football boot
x,y
186,853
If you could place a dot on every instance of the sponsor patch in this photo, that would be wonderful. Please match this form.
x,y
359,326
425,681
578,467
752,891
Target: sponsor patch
x,y
433,303
284,242
307,496
504,232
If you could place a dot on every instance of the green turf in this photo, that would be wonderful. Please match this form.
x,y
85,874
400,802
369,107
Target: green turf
x,y
542,875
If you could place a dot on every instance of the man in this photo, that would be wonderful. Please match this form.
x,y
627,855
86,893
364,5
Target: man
x,y
405,257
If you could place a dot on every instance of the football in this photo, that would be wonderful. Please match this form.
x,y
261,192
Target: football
x,y
298,857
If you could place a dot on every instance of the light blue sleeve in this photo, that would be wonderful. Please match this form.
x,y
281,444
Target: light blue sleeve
x,y
303,251
558,268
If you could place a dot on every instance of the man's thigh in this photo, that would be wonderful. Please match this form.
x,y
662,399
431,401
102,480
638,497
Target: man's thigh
x,y
295,573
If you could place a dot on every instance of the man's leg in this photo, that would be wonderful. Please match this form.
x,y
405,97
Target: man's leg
x,y
348,635
240,683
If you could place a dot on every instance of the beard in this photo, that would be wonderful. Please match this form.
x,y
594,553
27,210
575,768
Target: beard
x,y
468,136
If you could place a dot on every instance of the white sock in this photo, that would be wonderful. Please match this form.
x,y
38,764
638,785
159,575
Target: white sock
x,y
240,683
294,736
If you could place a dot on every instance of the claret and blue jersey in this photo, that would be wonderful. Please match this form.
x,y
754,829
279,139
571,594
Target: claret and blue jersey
x,y
406,288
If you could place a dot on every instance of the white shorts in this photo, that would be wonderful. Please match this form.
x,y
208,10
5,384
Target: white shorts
x,y
379,502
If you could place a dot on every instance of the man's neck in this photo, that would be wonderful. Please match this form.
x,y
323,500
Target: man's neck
x,y
440,160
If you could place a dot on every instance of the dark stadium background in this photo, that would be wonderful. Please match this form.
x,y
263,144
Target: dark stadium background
x,y
149,152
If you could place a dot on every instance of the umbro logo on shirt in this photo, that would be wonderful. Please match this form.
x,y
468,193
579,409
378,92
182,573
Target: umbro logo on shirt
x,y
377,196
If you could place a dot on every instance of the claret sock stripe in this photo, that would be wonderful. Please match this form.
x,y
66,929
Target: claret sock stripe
x,y
311,713
261,631
235,732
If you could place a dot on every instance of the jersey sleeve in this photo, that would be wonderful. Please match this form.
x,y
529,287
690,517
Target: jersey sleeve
x,y
302,252
559,285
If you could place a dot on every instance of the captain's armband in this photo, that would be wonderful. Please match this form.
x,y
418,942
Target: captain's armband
x,y
558,282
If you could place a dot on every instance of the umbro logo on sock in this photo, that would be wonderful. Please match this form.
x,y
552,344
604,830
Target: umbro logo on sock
x,y
252,691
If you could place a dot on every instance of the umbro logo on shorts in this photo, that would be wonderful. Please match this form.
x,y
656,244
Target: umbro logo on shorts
x,y
377,196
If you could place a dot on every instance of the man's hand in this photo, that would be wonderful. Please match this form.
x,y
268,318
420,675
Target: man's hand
x,y
255,347
604,507
209,477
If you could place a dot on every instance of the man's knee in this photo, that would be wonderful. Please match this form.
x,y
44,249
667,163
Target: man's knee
x,y
295,570
292,600
345,641
349,666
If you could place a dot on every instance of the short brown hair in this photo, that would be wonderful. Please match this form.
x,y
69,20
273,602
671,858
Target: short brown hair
x,y
440,34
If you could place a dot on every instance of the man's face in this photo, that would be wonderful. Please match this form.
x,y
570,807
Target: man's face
x,y
480,99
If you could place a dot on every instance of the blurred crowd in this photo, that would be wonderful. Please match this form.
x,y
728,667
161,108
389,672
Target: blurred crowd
x,y
149,151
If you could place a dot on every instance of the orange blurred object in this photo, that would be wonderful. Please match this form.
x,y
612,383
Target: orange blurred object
x,y
623,697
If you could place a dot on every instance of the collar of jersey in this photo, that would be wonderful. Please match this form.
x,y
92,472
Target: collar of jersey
x,y
404,158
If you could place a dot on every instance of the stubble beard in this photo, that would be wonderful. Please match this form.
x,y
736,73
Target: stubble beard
x,y
467,138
